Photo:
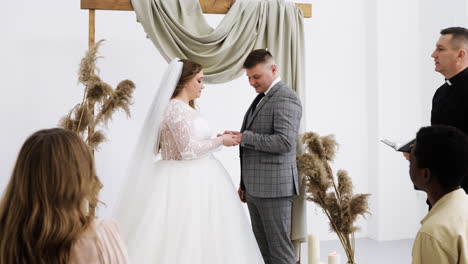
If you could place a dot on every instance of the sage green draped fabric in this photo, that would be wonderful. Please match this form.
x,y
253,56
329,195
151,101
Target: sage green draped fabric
x,y
179,29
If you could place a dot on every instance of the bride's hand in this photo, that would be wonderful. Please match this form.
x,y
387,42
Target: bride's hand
x,y
229,140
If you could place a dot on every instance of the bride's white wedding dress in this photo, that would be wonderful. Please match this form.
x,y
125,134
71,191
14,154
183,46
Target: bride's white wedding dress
x,y
188,212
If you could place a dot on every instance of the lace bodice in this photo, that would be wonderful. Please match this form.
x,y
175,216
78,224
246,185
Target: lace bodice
x,y
185,134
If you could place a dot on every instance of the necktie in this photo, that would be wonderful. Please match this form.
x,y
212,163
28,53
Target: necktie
x,y
256,100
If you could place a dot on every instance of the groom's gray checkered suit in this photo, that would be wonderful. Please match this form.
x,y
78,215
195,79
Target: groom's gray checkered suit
x,y
269,172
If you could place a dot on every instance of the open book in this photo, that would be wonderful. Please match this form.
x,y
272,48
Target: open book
x,y
405,147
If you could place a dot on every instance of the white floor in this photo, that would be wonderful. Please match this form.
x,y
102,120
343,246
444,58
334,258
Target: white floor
x,y
368,251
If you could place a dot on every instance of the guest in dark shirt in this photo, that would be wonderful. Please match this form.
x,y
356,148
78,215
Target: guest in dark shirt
x,y
450,102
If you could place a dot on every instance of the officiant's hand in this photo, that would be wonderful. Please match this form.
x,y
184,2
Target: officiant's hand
x,y
241,195
407,155
229,140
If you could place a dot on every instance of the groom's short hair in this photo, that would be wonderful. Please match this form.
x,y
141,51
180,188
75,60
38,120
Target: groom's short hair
x,y
256,57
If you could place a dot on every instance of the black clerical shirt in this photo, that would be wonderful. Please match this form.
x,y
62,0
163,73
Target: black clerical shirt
x,y
450,103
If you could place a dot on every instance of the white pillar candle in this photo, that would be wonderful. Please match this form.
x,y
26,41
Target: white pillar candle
x,y
313,246
334,258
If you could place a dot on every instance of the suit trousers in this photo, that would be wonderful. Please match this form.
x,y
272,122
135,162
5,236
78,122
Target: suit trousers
x,y
271,224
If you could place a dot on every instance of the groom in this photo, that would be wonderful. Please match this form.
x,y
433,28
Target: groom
x,y
268,157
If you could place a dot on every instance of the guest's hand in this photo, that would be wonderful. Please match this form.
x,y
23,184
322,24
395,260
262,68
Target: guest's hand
x,y
241,195
229,140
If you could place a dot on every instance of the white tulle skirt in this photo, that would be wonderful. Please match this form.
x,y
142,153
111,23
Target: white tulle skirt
x,y
188,213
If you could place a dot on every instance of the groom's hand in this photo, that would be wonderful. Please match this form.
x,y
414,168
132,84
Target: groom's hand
x,y
228,133
238,138
241,195
232,132
229,140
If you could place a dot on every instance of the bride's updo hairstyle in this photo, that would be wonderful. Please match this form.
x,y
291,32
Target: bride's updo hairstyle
x,y
50,199
189,70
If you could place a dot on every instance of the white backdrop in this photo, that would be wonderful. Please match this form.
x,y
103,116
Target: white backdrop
x,y
369,76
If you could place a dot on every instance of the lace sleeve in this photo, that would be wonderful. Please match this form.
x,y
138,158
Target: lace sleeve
x,y
180,124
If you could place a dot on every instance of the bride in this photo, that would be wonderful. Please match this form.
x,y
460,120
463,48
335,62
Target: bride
x,y
183,208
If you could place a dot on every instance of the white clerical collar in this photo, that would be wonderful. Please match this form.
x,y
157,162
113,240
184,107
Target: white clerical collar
x,y
277,80
448,82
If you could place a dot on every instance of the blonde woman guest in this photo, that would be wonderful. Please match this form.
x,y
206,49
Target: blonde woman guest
x,y
47,210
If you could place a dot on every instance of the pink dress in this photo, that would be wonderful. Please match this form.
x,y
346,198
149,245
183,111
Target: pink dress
x,y
100,244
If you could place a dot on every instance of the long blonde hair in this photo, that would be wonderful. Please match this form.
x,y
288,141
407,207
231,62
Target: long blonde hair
x,y
50,199
189,70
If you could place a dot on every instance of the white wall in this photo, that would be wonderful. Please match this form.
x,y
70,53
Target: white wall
x,y
336,91
398,86
369,75
403,35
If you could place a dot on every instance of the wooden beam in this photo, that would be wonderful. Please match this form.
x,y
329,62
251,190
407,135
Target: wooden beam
x,y
92,28
306,9
216,6
124,5
208,6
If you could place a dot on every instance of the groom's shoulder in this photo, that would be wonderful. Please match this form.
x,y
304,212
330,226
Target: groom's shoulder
x,y
284,91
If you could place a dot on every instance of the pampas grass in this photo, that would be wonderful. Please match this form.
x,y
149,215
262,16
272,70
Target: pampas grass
x,y
334,196
97,95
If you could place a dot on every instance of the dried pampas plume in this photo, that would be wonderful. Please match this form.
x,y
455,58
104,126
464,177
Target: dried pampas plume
x,y
96,138
97,95
335,197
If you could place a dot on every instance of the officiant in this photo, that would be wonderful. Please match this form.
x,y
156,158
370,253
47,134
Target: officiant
x,y
450,101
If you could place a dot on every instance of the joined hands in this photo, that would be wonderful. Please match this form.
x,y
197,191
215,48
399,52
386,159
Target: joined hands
x,y
231,138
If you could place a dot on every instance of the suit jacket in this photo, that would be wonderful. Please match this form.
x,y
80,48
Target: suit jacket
x,y
268,147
